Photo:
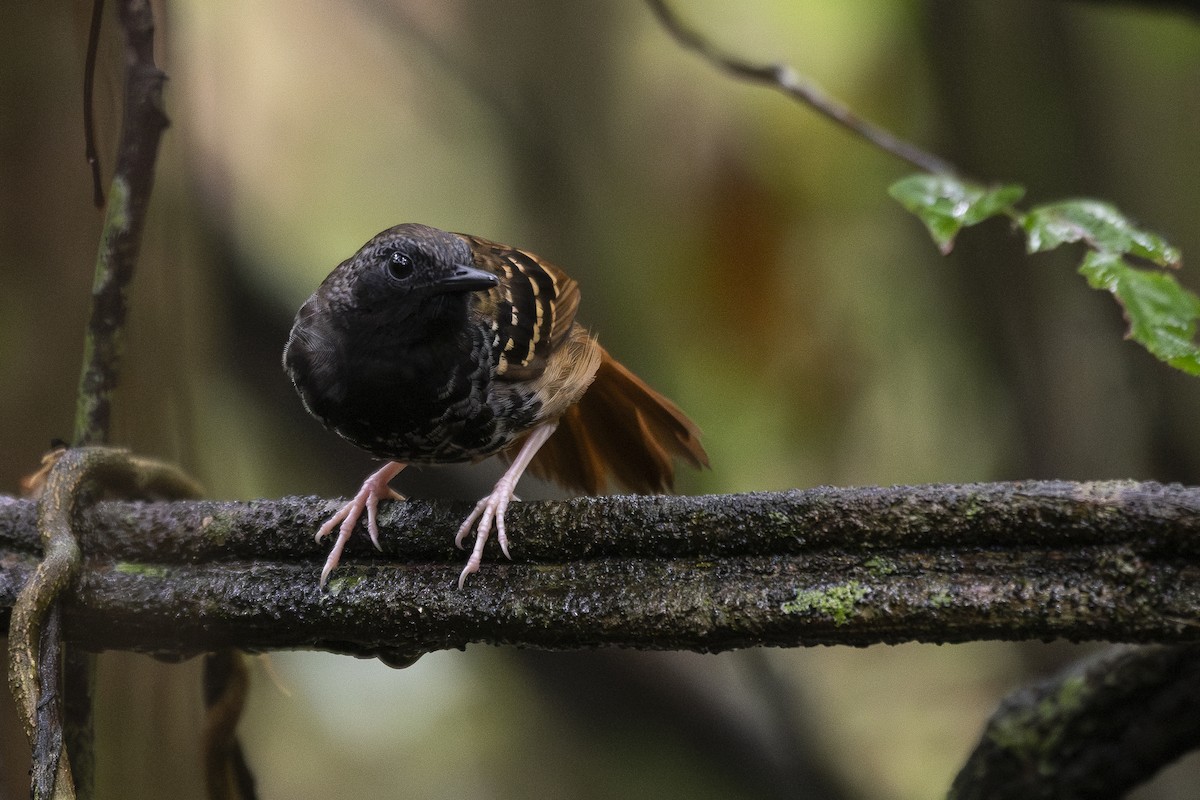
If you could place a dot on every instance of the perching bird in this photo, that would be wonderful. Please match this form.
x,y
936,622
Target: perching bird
x,y
428,347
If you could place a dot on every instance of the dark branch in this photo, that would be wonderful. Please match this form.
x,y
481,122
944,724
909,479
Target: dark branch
x,y
1098,731
48,756
1038,560
788,81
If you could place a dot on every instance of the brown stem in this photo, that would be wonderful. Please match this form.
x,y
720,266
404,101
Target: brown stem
x,y
788,81
89,82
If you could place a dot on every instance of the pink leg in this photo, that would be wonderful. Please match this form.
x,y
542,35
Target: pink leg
x,y
374,489
492,507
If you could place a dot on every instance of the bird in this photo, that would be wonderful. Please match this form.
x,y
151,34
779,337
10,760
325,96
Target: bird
x,y
429,347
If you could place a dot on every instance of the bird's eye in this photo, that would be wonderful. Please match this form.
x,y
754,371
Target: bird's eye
x,y
399,264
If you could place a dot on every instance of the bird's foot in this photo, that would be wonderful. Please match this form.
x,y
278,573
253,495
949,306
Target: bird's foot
x,y
374,489
488,511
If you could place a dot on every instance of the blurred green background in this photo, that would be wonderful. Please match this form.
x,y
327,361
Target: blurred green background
x,y
736,250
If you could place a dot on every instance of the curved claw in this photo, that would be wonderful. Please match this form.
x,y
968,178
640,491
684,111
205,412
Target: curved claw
x,y
372,513
487,511
335,520
467,570
374,489
490,510
501,536
469,523
372,525
501,539
344,520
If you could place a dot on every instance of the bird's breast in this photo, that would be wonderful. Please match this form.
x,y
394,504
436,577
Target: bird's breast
x,y
434,399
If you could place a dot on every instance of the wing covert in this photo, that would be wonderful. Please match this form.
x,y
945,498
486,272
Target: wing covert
x,y
533,307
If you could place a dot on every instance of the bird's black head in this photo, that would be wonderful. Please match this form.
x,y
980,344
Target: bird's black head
x,y
405,270
397,305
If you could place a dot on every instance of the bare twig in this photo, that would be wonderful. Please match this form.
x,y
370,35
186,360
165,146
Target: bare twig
x,y
141,129
788,81
89,82
35,639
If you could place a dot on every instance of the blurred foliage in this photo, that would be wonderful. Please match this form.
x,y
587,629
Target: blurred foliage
x,y
738,252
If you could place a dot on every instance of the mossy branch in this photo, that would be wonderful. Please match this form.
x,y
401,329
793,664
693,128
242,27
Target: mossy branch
x,y
1116,561
1099,730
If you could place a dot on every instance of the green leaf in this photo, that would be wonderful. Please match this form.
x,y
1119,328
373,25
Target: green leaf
x,y
947,204
1100,225
1161,314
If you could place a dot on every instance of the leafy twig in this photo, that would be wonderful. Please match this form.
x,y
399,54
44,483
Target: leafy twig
x,y
1162,315
788,81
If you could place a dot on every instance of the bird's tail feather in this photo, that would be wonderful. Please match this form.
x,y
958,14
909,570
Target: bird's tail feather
x,y
621,431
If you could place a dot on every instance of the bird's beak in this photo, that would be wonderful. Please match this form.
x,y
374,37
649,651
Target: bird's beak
x,y
467,279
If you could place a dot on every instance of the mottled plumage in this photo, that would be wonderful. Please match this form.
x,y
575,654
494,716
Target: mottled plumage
x,y
428,347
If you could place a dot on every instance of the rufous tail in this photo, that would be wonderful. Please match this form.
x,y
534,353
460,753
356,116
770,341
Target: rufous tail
x,y
620,431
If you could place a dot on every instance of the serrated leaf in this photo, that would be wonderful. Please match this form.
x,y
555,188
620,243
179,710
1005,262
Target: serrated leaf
x,y
1161,314
1100,225
947,204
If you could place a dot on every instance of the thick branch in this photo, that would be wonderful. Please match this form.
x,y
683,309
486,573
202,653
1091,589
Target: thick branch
x,y
1111,561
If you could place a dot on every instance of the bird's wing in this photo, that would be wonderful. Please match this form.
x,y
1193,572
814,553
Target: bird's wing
x,y
531,310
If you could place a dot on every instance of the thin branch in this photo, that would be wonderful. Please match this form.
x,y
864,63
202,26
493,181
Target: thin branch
x,y
1189,6
788,81
89,82
1082,561
141,129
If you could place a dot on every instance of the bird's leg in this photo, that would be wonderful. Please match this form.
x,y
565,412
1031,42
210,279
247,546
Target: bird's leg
x,y
374,489
491,508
